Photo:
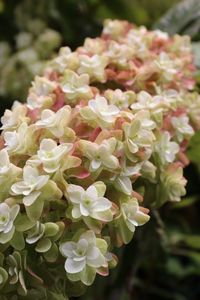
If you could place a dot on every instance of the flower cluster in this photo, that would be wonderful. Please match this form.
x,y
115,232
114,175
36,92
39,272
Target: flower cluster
x,y
80,156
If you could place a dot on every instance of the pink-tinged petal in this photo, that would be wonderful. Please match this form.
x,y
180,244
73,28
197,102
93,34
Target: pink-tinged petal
x,y
74,267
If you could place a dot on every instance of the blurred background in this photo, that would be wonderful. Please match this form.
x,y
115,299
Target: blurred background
x,y
163,260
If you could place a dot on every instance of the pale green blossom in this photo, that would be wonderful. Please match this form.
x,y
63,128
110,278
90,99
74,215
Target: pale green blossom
x,y
132,214
182,127
165,149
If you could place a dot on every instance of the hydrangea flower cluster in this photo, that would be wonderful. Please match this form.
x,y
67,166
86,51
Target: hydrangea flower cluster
x,y
103,129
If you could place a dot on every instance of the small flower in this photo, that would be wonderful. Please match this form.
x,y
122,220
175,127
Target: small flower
x,y
100,156
90,202
41,86
75,86
166,66
94,66
132,214
173,183
51,155
146,101
182,127
7,218
57,122
165,149
17,141
114,28
65,60
83,256
13,118
100,112
5,164
138,134
119,98
119,54
31,185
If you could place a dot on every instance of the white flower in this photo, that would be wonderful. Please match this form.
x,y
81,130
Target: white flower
x,y
13,118
166,66
132,214
113,28
90,202
83,253
182,127
100,112
94,46
94,66
7,217
5,164
42,86
16,141
100,156
146,101
119,98
119,54
65,60
75,86
138,133
35,102
50,155
165,149
57,122
31,185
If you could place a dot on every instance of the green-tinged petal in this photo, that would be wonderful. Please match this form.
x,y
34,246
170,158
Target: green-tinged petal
x,y
51,229
35,210
87,276
17,241
6,237
43,245
101,188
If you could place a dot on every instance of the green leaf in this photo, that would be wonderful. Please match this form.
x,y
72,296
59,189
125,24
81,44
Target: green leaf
x,y
34,211
193,151
23,223
43,245
52,254
51,229
17,241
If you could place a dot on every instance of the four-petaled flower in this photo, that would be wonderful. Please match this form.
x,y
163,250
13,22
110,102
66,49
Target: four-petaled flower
x,y
7,218
94,66
100,112
57,122
83,256
50,154
132,214
31,185
100,156
75,86
165,149
182,127
90,202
